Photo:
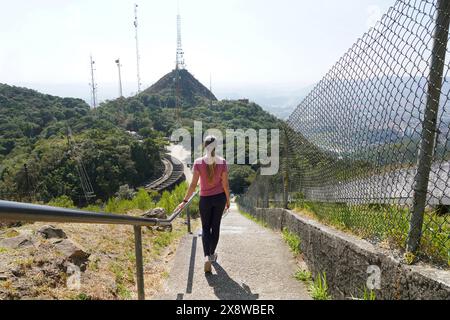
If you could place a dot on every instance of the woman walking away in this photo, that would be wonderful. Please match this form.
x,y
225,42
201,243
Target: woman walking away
x,y
212,172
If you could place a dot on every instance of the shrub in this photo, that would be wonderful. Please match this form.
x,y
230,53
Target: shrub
x,y
62,202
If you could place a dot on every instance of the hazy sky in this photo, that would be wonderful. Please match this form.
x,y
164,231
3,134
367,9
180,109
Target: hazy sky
x,y
279,44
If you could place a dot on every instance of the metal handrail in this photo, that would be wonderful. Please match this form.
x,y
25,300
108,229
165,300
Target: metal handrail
x,y
17,211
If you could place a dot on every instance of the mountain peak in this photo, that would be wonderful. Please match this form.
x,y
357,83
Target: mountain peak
x,y
189,86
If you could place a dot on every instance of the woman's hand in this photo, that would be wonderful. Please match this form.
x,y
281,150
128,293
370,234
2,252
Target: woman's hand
x,y
181,206
228,204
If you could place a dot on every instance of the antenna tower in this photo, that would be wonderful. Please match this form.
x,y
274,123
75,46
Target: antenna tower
x,y
120,78
93,85
137,48
180,52
179,66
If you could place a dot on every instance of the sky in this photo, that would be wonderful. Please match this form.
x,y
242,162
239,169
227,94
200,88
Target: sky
x,y
247,47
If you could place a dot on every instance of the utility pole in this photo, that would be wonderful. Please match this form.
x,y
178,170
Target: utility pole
x,y
120,78
137,49
93,85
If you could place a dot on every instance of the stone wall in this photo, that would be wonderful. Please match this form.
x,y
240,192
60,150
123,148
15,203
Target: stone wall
x,y
349,262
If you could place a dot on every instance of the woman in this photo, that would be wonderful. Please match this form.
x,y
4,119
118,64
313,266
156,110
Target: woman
x,y
212,172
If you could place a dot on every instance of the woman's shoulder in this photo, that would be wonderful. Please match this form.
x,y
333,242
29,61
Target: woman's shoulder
x,y
220,160
199,160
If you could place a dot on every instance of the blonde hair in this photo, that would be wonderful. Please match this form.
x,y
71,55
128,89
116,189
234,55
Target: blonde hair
x,y
211,169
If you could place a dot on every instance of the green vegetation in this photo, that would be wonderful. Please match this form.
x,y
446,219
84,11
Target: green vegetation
x,y
292,240
26,115
123,277
254,219
38,165
303,275
240,178
319,288
369,295
82,296
387,223
144,201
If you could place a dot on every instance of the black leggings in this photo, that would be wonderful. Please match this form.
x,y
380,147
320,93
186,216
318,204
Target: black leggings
x,y
211,210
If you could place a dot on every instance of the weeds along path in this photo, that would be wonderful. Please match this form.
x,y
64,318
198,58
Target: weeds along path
x,y
254,263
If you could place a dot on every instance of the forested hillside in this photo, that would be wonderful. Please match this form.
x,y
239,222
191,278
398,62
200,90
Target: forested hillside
x,y
119,143
37,164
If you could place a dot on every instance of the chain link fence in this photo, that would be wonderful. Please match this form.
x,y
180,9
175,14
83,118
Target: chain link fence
x,y
368,150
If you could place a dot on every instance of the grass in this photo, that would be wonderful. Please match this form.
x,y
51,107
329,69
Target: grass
x,y
142,201
368,295
319,288
82,296
384,223
111,270
11,233
254,219
163,239
123,278
292,240
303,275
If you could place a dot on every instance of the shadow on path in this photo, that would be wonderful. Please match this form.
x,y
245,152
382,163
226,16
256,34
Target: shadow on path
x,y
226,288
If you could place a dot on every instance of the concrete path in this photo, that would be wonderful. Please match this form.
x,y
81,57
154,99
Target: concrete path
x,y
254,263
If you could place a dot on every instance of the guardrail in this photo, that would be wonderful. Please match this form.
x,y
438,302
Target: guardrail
x,y
17,211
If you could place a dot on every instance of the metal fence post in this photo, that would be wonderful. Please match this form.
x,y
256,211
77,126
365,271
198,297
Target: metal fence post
x,y
188,220
426,151
285,158
139,262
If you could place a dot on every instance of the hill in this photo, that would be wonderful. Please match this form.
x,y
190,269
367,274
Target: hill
x,y
37,164
189,87
27,114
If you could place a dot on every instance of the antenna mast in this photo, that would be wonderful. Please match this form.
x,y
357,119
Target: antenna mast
x,y
137,48
120,78
179,66
180,53
93,85
210,89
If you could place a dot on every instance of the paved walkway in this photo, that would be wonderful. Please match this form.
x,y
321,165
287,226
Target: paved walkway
x,y
254,263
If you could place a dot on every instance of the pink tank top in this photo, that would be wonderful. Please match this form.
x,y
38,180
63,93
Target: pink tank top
x,y
206,188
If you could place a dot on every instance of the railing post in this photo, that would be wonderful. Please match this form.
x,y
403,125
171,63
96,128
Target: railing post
x,y
285,166
429,126
139,262
188,220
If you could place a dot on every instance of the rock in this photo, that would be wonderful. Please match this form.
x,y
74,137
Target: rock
x,y
22,240
49,232
72,252
10,224
157,213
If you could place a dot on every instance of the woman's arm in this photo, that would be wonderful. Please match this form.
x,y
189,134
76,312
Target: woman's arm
x,y
192,186
191,189
226,187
